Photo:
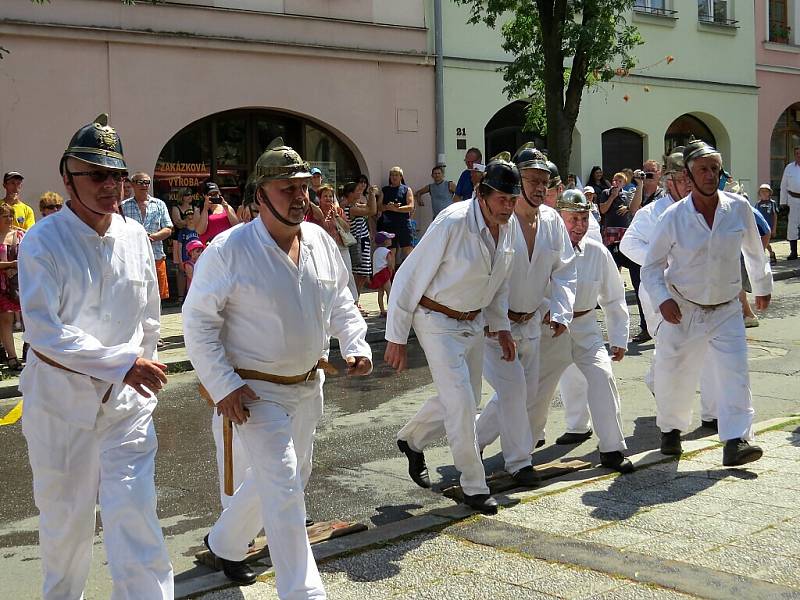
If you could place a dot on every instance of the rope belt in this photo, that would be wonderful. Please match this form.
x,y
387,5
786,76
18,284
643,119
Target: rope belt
x,y
519,317
580,313
793,194
704,306
53,363
469,315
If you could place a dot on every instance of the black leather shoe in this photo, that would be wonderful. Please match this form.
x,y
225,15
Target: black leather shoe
x,y
710,424
483,503
642,338
569,439
417,468
527,477
617,461
237,571
671,443
309,522
792,257
540,443
739,452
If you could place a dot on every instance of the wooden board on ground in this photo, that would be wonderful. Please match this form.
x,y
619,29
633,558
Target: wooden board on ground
x,y
318,532
500,481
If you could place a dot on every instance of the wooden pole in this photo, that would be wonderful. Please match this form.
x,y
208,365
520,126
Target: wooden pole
x,y
227,442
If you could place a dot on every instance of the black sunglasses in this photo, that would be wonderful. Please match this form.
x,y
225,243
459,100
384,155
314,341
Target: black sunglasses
x,y
141,181
51,207
101,176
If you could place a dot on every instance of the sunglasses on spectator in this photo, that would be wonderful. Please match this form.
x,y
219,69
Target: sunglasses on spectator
x,y
52,207
101,176
141,181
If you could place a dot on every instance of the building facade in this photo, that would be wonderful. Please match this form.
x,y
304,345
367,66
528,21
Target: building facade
x,y
777,29
706,88
197,89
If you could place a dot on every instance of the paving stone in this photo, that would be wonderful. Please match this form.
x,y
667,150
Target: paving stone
x,y
618,535
636,591
575,583
673,547
477,587
555,522
759,514
516,568
734,559
664,520
782,570
784,542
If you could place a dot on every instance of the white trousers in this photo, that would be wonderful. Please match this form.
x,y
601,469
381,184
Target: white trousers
x,y
793,228
271,492
712,341
506,413
594,364
71,466
574,393
455,358
304,424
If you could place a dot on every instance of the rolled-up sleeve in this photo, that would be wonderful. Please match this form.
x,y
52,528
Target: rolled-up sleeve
x,y
563,281
612,300
347,324
758,268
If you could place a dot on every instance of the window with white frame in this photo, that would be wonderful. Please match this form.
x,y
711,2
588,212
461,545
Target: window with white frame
x,y
654,5
714,11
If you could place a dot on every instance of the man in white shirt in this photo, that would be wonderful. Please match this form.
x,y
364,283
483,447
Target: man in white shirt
x,y
692,273
543,263
454,282
635,244
265,299
90,297
790,196
598,282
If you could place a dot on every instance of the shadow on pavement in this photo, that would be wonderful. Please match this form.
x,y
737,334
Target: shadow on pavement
x,y
390,514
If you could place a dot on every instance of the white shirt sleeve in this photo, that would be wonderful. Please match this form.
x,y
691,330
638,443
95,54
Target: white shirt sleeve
x,y
563,280
655,264
755,262
347,324
496,313
612,300
203,321
784,198
412,280
635,242
67,344
151,320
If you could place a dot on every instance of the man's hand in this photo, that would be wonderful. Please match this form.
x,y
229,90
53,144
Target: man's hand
x,y
762,302
232,405
396,356
146,374
671,311
622,210
617,353
507,345
358,366
557,328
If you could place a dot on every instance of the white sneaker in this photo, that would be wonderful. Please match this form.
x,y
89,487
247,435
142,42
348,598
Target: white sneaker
x,y
751,321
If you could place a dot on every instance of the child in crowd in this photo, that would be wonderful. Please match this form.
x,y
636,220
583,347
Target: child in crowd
x,y
194,249
383,267
769,210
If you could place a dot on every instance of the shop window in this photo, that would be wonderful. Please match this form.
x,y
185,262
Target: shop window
x,y
684,129
224,147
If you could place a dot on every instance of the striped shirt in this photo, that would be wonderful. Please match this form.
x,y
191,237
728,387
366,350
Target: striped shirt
x,y
155,219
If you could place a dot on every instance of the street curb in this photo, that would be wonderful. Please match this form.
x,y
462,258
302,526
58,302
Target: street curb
x,y
439,517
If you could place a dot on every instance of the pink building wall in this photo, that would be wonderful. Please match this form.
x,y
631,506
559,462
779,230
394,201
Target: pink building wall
x,y
778,77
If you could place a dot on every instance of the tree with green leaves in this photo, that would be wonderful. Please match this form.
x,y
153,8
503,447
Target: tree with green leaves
x,y
541,35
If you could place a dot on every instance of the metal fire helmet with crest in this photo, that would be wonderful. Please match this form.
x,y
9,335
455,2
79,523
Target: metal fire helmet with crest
x,y
96,143
502,175
573,201
529,157
280,161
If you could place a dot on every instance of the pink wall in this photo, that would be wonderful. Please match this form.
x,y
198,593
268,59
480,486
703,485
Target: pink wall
x,y
152,91
778,77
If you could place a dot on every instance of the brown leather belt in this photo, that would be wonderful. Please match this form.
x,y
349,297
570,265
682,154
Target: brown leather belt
x,y
793,194
469,315
309,375
580,313
519,317
703,306
53,363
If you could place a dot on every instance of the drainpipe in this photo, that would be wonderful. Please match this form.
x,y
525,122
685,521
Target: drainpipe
x,y
439,86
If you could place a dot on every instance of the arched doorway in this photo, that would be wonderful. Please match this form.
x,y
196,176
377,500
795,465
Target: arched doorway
x,y
622,149
785,138
224,147
504,130
685,128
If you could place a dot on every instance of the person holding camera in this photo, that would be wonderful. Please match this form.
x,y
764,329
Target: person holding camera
x,y
215,216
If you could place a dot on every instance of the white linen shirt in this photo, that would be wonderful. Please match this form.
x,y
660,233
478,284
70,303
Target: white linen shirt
x,y
703,264
635,242
91,304
549,271
790,181
251,307
452,265
598,283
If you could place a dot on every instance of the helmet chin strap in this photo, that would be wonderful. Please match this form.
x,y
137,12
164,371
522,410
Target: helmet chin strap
x,y
263,197
697,186
77,196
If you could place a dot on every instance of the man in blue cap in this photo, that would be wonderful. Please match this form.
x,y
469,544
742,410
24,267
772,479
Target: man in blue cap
x,y
89,292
